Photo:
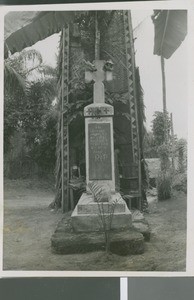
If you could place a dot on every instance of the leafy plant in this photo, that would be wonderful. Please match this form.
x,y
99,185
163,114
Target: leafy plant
x,y
30,88
106,208
164,185
164,180
164,153
158,127
179,182
150,149
181,149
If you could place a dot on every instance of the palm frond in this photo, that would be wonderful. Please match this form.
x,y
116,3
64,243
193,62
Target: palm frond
x,y
32,54
13,79
170,30
25,28
47,71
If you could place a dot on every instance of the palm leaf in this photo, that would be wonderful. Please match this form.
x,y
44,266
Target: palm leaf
x,y
170,30
32,55
25,28
13,79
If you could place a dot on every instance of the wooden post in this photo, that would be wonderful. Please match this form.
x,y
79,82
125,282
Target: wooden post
x,y
130,63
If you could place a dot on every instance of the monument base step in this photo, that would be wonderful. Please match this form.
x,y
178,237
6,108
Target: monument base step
x,y
89,215
122,242
141,224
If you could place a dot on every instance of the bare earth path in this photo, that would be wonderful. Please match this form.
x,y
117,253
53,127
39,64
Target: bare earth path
x,y
29,224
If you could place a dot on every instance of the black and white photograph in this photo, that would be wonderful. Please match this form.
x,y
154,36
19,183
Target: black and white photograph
x,y
95,138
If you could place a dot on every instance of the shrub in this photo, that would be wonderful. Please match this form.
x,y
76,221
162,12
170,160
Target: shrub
x,y
164,154
179,182
106,208
164,185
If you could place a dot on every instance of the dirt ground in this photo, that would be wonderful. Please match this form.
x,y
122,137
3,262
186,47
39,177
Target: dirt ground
x,y
29,224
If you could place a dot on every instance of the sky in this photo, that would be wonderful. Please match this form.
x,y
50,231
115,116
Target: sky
x,y
150,71
176,68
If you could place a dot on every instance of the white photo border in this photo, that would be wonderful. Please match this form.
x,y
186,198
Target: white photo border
x,y
142,5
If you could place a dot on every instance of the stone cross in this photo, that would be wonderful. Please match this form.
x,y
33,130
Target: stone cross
x,y
98,72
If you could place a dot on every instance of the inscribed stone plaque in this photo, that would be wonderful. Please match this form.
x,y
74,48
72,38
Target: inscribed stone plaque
x,y
99,143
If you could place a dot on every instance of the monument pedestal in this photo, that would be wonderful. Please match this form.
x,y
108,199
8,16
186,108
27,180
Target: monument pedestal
x,y
91,217
84,232
99,145
87,214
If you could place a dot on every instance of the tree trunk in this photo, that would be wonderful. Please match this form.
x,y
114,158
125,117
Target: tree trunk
x,y
164,98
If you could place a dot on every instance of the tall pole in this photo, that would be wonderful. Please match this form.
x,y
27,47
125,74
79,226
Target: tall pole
x,y
164,79
131,69
164,98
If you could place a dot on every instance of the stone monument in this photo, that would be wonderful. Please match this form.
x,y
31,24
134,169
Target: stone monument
x,y
100,168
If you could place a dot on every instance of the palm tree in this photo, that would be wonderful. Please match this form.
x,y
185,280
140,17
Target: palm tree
x,y
30,88
18,67
170,30
25,28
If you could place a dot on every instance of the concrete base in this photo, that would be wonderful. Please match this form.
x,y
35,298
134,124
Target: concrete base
x,y
87,215
122,242
141,224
